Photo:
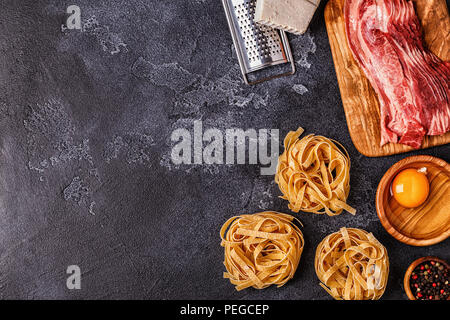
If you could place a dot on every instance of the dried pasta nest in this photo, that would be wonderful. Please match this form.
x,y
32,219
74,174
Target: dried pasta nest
x,y
352,265
261,249
313,174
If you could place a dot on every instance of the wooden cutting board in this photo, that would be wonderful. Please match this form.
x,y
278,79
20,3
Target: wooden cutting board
x,y
360,101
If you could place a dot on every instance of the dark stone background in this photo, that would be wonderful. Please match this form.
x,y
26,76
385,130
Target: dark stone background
x,y
85,174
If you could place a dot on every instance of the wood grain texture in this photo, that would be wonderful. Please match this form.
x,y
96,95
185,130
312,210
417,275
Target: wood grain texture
x,y
360,101
411,268
424,225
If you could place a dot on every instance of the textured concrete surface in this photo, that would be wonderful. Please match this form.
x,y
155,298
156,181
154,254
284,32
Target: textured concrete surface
x,y
86,176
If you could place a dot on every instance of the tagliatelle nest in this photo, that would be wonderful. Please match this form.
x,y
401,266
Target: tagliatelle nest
x,y
352,265
314,174
261,249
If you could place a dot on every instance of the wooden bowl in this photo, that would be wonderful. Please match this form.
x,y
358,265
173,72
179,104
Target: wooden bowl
x,y
411,268
427,224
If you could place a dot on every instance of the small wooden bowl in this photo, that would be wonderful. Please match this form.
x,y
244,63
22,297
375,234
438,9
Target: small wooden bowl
x,y
411,268
427,224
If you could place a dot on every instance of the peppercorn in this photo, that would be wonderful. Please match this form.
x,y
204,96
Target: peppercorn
x,y
427,281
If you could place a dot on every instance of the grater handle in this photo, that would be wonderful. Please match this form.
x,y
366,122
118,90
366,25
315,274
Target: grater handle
x,y
271,77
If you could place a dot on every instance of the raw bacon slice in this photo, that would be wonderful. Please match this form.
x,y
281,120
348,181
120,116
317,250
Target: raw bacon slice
x,y
413,84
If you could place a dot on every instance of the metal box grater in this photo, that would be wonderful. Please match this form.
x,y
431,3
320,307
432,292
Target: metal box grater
x,y
257,46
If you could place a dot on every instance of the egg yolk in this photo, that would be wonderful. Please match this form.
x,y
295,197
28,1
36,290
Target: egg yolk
x,y
410,188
